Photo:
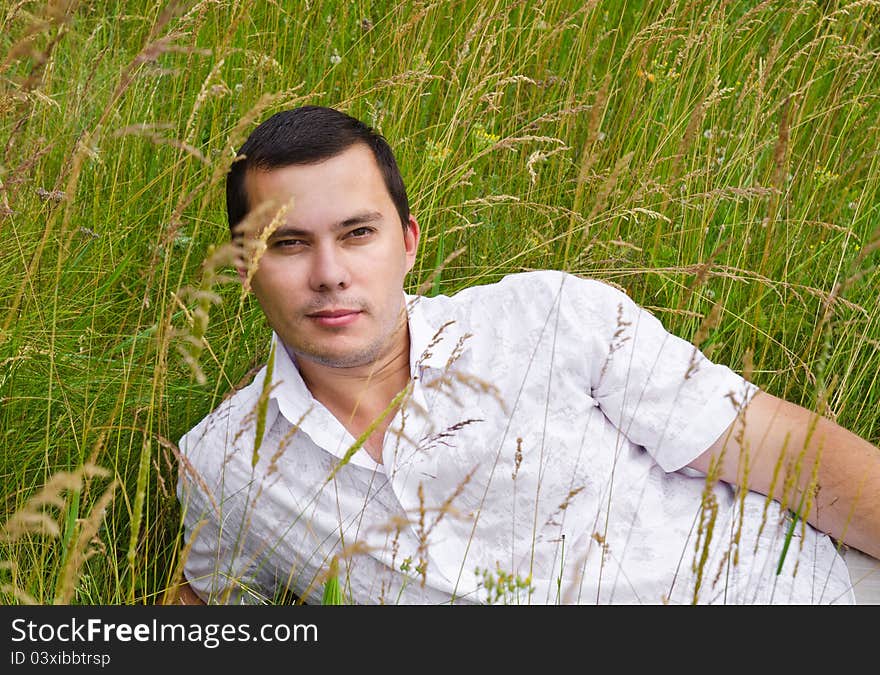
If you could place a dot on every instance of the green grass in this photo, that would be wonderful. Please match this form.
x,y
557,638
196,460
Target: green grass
x,y
695,153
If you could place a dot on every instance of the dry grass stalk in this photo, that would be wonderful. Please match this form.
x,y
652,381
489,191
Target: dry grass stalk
x,y
399,400
709,323
81,550
703,272
192,338
206,90
517,460
35,518
152,132
426,285
285,442
780,169
743,471
263,407
422,536
12,589
185,466
32,517
588,157
172,590
607,187
708,515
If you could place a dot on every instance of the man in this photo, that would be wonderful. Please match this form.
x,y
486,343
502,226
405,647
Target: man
x,y
538,440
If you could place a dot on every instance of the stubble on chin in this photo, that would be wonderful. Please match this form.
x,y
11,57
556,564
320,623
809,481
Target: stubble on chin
x,y
352,359
382,348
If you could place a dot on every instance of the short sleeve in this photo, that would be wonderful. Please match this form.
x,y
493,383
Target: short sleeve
x,y
659,390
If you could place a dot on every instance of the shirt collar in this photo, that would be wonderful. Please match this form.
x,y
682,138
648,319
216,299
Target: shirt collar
x,y
432,344
287,382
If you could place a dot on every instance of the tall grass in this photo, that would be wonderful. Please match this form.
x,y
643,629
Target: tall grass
x,y
708,156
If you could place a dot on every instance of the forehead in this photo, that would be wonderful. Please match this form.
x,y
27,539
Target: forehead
x,y
352,175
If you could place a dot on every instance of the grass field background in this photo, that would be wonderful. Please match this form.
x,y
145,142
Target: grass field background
x,y
718,160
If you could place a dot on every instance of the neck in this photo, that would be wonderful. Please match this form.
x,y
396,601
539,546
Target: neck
x,y
360,393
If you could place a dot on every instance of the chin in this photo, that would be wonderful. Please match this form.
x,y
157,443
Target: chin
x,y
353,361
352,358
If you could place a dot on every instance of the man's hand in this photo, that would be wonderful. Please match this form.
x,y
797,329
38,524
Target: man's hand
x,y
182,595
790,451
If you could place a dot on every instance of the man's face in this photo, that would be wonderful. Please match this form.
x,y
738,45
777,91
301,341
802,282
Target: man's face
x,y
331,278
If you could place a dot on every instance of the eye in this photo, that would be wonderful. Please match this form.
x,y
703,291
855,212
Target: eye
x,y
288,243
360,232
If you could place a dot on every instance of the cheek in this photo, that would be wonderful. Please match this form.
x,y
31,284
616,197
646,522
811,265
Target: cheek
x,y
272,289
391,277
260,287
276,276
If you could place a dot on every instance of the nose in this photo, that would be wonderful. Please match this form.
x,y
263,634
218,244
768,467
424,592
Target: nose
x,y
329,271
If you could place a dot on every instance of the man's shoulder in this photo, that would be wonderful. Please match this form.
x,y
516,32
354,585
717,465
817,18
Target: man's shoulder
x,y
228,421
528,289
518,308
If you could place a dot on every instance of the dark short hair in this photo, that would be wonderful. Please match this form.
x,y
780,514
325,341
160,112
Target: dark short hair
x,y
308,135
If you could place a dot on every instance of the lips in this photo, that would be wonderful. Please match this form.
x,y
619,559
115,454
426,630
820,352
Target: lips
x,y
335,317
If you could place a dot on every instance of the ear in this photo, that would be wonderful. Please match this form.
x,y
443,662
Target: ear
x,y
411,242
242,276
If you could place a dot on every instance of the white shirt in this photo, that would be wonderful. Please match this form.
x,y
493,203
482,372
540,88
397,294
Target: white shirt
x,y
539,458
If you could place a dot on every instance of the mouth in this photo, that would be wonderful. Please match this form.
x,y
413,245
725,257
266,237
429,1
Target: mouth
x,y
334,318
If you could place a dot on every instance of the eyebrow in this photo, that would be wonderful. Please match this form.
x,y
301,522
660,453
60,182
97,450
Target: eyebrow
x,y
356,219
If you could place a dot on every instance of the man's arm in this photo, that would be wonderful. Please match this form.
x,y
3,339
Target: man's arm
x,y
846,504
